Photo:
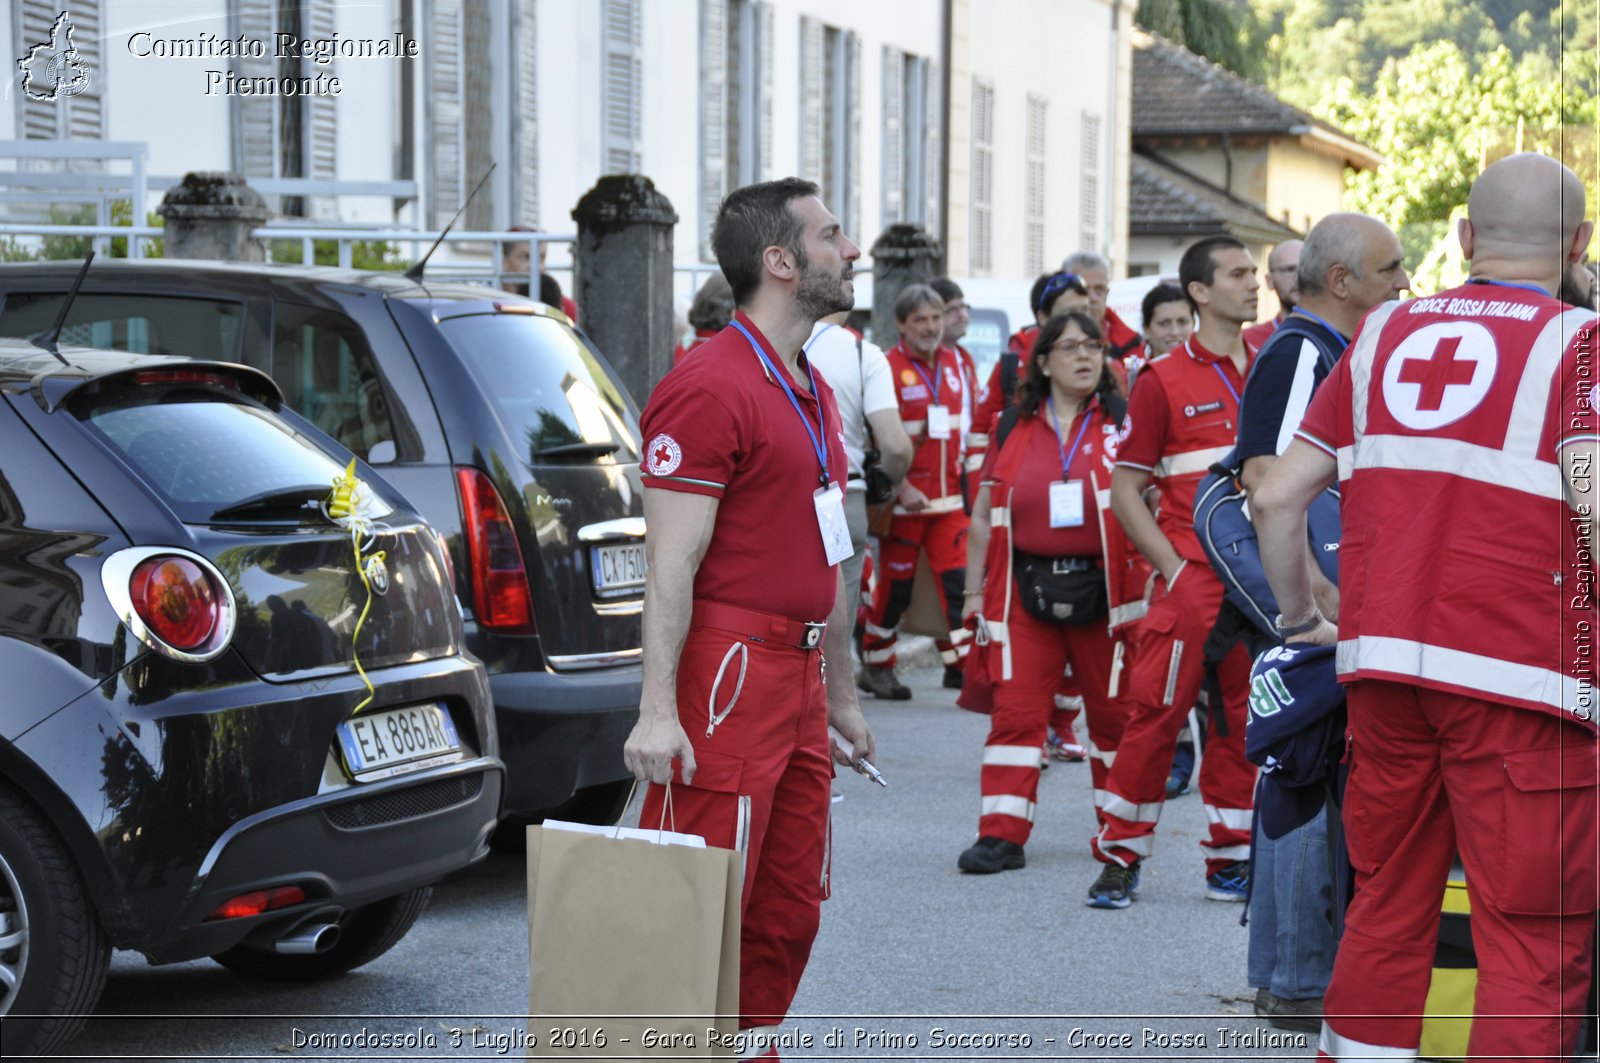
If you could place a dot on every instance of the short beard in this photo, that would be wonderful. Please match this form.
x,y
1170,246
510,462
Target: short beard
x,y
821,294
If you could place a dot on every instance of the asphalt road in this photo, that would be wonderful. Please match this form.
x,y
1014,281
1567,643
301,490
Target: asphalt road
x,y
915,960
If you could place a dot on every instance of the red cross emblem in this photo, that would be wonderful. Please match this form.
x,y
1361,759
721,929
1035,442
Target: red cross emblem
x,y
663,456
1439,374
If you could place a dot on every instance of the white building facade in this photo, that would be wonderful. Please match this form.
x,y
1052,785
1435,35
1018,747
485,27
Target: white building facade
x,y
1001,127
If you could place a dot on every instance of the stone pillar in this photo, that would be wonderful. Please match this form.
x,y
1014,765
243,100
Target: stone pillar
x,y
623,277
210,214
902,256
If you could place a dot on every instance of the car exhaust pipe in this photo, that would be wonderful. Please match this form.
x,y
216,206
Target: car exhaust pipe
x,y
308,940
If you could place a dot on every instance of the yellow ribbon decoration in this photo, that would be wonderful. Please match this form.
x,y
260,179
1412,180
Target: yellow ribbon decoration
x,y
348,507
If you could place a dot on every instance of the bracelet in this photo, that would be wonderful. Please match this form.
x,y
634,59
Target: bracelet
x,y
972,594
1289,631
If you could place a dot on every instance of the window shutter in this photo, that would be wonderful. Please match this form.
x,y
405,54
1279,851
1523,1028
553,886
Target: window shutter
x,y
445,110
84,117
322,115
620,86
525,124
764,31
981,252
851,211
1089,184
37,119
1034,196
715,127
811,101
932,168
255,118
891,206
478,74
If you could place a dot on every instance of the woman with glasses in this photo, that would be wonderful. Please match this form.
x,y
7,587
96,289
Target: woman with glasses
x,y
1047,570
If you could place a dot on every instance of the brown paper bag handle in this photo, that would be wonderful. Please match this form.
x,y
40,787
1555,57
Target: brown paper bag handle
x,y
666,811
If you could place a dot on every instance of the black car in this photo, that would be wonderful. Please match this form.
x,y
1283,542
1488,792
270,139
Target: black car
x,y
494,415
188,763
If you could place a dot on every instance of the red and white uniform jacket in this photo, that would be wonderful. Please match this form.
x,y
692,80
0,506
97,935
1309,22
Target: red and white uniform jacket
x,y
922,391
1461,568
1183,416
1030,457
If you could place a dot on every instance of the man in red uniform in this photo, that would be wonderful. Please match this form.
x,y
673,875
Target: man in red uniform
x,y
1095,271
928,513
1462,429
1182,417
745,472
956,319
1283,277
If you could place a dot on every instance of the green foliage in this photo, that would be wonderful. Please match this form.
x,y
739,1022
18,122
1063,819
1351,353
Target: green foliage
x,y
53,248
364,254
1221,30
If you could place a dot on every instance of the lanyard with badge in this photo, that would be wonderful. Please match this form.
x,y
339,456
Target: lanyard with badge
x,y
829,498
1066,495
938,414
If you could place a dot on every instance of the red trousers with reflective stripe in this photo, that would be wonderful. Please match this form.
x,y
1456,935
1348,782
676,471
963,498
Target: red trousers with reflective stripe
x,y
1166,676
944,537
1024,704
1513,790
764,772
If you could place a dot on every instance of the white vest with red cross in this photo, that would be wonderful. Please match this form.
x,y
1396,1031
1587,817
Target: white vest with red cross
x,y
1457,563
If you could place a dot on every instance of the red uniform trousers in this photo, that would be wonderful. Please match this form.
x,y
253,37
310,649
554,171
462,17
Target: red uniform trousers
x,y
764,772
1513,790
1166,674
1023,706
944,537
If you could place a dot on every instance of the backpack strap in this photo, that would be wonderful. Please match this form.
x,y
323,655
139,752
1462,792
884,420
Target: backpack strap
x,y
1008,420
1009,361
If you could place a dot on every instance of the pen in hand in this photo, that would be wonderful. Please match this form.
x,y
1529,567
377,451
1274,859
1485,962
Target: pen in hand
x,y
864,766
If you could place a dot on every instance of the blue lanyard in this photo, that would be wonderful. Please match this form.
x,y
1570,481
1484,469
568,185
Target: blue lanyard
x,y
933,382
1303,312
1226,382
818,446
1072,451
1509,284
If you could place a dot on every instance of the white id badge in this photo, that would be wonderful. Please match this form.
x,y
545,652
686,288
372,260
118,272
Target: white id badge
x,y
830,519
938,422
1066,504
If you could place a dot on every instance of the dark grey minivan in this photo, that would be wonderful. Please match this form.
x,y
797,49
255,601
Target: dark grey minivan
x,y
492,414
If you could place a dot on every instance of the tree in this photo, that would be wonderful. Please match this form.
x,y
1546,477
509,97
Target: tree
x,y
1220,30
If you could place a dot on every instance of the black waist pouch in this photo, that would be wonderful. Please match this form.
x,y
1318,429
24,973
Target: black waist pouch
x,y
1061,590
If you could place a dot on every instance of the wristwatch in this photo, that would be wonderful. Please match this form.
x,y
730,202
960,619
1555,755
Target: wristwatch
x,y
1300,628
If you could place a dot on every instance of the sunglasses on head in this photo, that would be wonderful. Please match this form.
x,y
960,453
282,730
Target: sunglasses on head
x,y
1061,282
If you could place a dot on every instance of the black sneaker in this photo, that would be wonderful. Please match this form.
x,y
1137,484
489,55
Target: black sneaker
x,y
1302,1015
1232,883
953,676
992,854
1116,887
881,683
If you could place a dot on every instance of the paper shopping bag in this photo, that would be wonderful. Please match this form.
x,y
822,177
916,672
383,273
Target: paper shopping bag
x,y
634,945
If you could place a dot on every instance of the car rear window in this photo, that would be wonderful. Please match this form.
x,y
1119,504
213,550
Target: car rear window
x,y
548,387
203,451
143,324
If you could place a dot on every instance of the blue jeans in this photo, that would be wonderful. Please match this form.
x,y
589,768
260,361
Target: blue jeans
x,y
1291,912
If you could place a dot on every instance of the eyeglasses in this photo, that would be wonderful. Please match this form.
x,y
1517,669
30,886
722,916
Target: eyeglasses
x,y
1091,347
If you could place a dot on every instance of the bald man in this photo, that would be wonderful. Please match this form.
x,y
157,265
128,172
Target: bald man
x,y
1463,434
1283,278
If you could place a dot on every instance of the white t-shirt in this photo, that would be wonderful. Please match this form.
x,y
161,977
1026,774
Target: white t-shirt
x,y
860,383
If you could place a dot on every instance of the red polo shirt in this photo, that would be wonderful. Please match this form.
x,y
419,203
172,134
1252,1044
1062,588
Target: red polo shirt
x,y
720,424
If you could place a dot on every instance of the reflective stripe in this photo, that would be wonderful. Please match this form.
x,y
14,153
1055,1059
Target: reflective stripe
x,y
1227,852
1361,357
1069,702
1172,670
913,428
1140,846
974,462
1009,805
1188,462
999,630
880,632
1107,757
999,516
1122,808
883,656
1011,756
1337,1046
960,635
1231,818
1102,498
1126,614
977,440
1490,465
1470,671
947,504
1100,797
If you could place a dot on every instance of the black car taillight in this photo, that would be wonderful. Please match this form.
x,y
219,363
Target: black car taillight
x,y
501,597
173,601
